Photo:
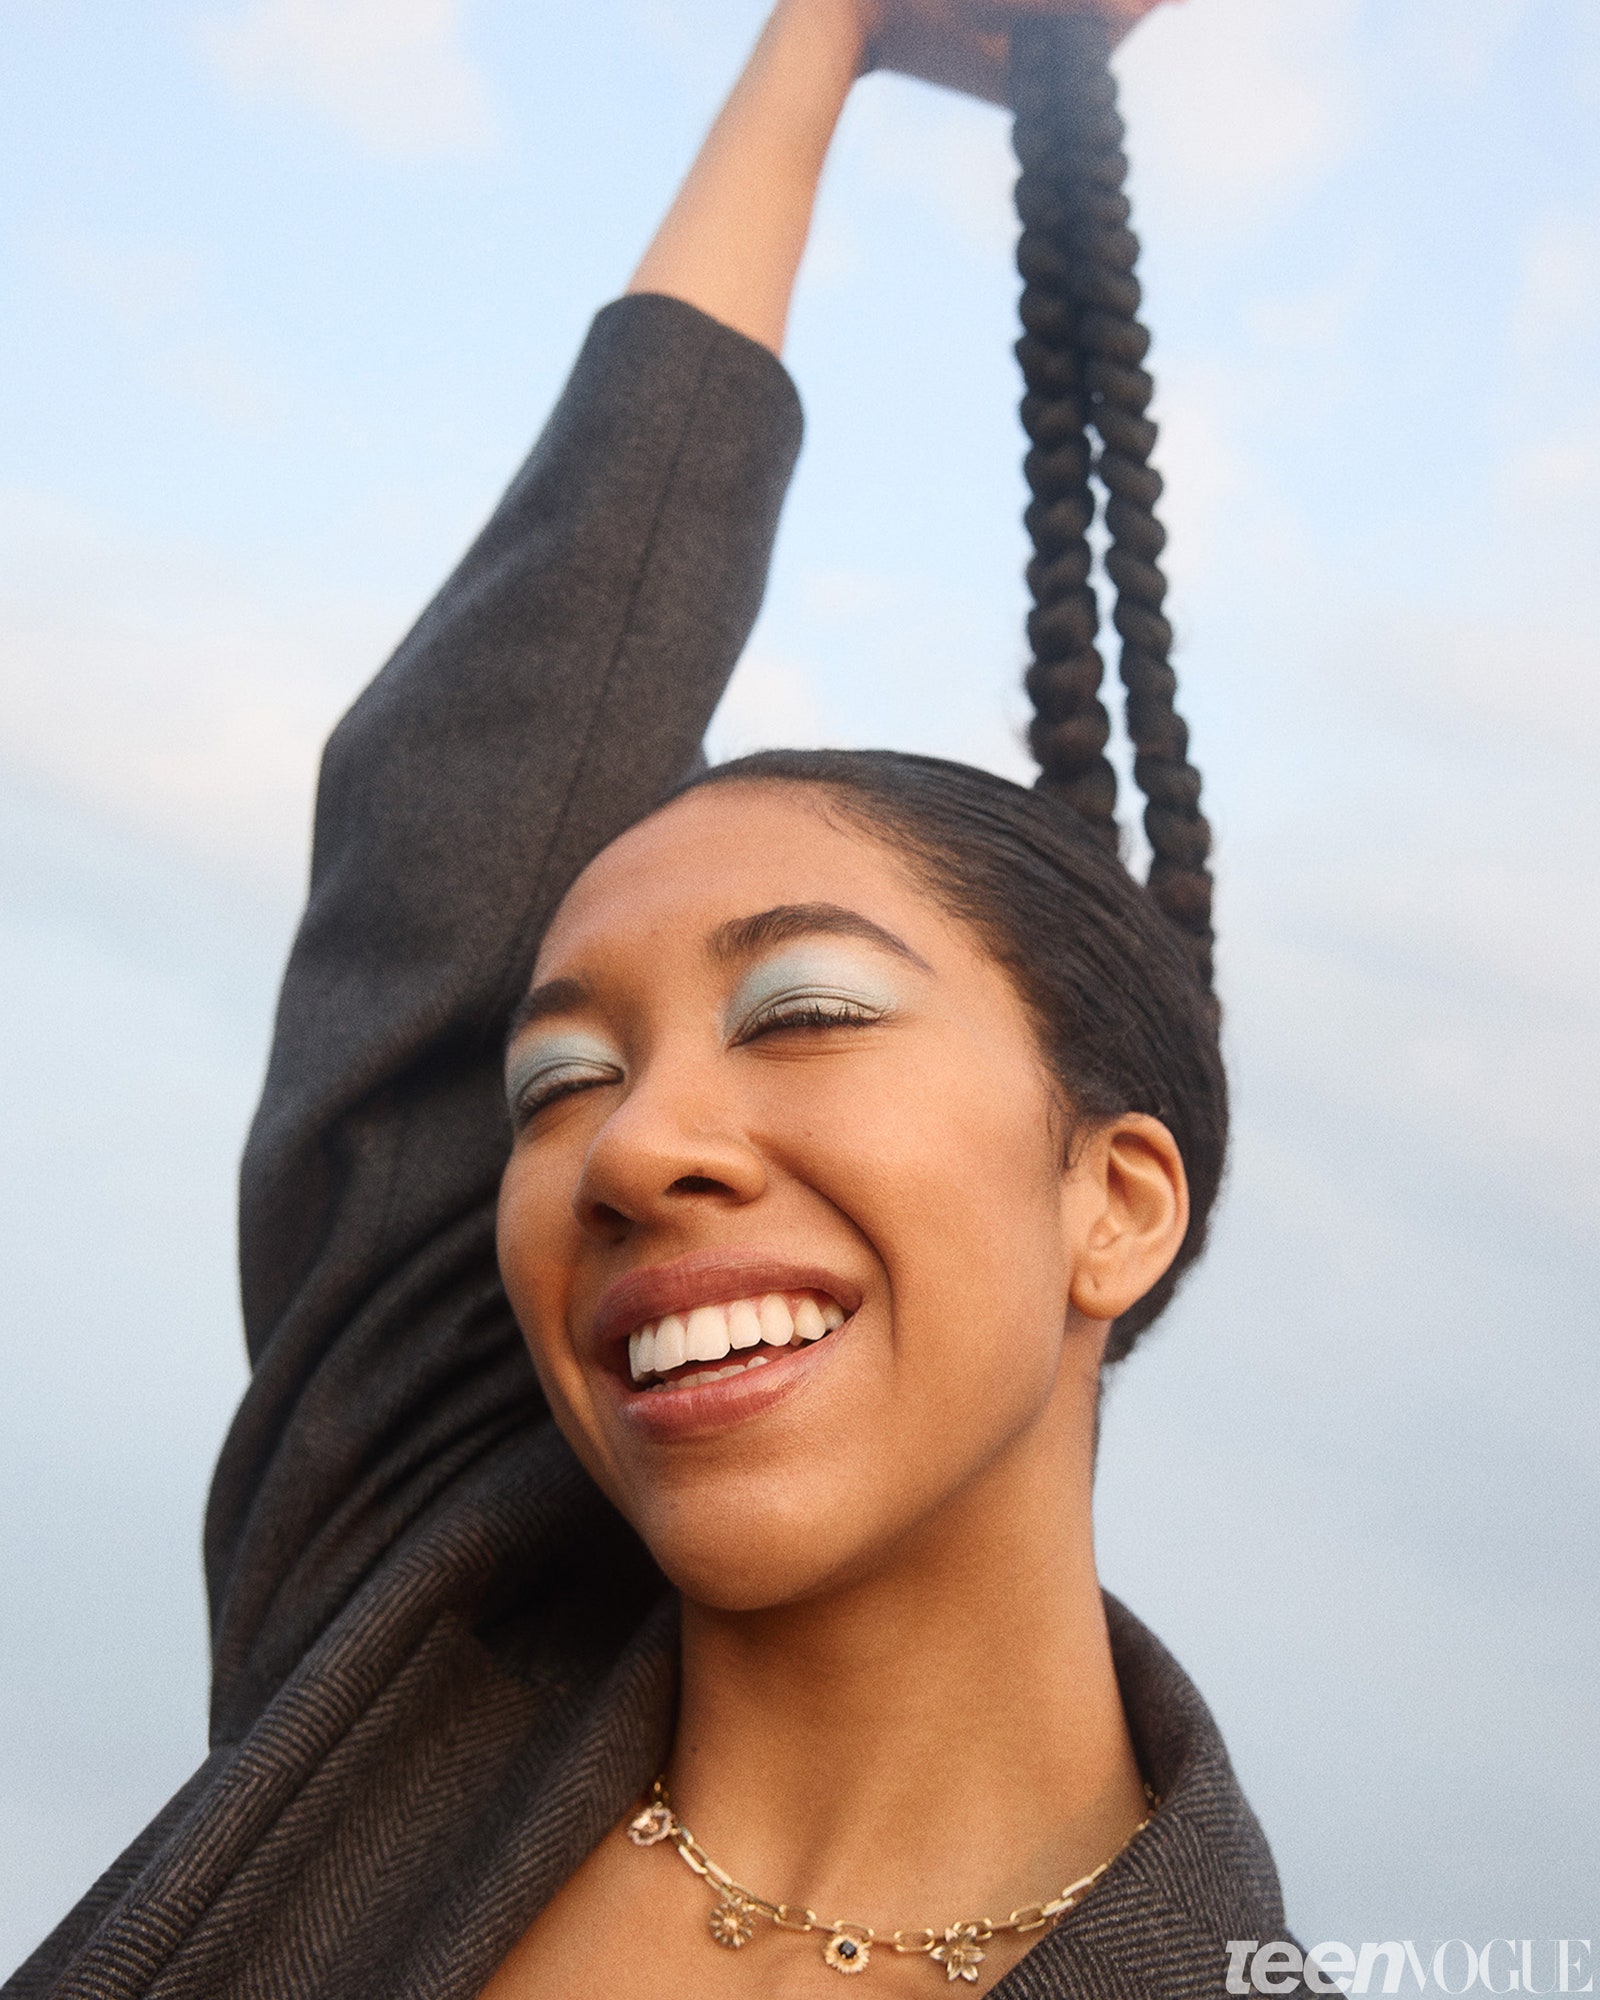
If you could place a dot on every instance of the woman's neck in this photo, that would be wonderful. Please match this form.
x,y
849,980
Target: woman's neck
x,y
940,1739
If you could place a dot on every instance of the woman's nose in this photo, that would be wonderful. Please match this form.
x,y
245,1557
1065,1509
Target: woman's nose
x,y
671,1142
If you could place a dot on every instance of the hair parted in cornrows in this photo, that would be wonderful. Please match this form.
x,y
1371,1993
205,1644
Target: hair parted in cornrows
x,y
1082,354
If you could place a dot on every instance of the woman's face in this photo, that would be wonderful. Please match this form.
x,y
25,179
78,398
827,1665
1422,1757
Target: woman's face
x,y
785,1223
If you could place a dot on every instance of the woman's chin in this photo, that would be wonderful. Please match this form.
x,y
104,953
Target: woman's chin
x,y
763,1566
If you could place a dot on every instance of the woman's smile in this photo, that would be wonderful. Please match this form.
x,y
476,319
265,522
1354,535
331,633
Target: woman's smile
x,y
666,1337
668,1352
717,1385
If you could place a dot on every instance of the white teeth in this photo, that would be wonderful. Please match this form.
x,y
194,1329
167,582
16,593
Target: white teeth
x,y
777,1322
715,1374
710,1332
706,1334
671,1344
808,1321
744,1325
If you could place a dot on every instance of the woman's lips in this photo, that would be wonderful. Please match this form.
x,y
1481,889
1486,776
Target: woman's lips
x,y
706,1278
707,1397
754,1327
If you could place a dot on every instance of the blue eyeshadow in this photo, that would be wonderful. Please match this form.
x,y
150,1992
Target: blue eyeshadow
x,y
810,970
537,1056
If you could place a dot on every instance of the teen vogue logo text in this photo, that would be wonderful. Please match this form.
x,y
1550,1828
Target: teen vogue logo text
x,y
1503,1965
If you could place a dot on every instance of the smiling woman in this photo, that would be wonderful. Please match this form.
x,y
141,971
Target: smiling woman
x,y
830,1128
862,1108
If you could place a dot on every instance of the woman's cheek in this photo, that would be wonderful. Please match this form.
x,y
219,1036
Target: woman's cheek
x,y
959,1138
534,1233
960,1194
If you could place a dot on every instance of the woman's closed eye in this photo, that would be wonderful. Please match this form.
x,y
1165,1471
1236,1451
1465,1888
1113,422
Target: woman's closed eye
x,y
809,1008
807,989
547,1069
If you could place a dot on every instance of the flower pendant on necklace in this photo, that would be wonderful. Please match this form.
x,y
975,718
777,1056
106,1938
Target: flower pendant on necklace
x,y
731,1925
847,1954
653,1824
959,1954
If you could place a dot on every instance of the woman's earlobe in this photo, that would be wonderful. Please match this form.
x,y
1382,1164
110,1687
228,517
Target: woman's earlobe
x,y
1125,1206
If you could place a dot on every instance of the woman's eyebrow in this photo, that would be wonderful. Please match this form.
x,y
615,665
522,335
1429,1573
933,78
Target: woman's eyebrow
x,y
742,937
556,996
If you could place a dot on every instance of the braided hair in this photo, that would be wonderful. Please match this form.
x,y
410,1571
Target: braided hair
x,y
1082,353
1117,975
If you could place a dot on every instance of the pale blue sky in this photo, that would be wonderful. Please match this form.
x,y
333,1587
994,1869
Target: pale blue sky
x,y
289,285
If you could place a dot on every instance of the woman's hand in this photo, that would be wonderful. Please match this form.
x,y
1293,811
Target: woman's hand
x,y
966,44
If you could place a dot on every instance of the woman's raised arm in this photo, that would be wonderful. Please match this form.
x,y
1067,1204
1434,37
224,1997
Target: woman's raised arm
x,y
731,243
552,693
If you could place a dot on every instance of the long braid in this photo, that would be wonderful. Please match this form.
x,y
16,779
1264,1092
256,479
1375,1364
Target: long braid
x,y
1082,355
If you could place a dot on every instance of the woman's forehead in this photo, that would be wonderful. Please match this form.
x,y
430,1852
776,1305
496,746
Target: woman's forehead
x,y
733,871
725,850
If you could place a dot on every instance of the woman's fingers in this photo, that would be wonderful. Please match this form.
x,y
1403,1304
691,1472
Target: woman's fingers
x,y
998,14
964,44
961,54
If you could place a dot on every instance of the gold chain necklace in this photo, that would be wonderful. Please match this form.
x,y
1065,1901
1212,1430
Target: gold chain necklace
x,y
849,1946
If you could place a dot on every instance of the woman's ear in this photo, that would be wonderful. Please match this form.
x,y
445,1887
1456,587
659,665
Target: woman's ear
x,y
1124,1211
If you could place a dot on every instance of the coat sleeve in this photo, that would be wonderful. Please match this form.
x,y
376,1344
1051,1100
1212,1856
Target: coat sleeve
x,y
552,693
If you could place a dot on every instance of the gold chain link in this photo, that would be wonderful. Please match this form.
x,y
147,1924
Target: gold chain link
x,y
662,1824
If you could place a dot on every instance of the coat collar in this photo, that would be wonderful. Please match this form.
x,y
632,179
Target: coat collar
x,y
1158,1923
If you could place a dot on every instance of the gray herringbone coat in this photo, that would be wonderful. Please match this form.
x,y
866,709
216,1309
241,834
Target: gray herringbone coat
x,y
443,1666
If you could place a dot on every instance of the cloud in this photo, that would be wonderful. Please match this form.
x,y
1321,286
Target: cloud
x,y
1584,27
1239,106
836,252
156,692
1411,924
1205,471
1457,42
951,151
393,73
1405,756
770,703
1559,475
1509,685
1441,1001
1549,483
1314,327
236,393
1558,299
161,299
704,41
142,283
